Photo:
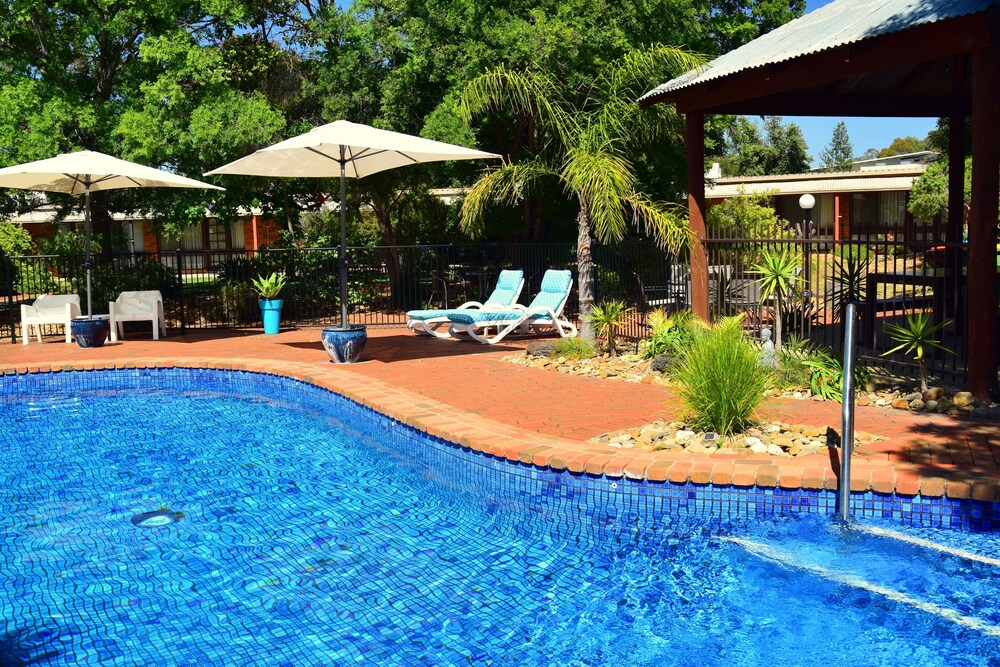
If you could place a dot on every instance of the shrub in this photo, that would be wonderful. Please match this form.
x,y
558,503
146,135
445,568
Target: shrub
x,y
671,334
573,348
827,375
793,372
913,337
721,379
236,303
607,317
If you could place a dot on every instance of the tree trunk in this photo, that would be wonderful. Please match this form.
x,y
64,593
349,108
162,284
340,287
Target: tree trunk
x,y
923,374
585,274
777,327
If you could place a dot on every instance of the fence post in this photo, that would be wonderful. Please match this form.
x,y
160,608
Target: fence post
x,y
180,283
8,282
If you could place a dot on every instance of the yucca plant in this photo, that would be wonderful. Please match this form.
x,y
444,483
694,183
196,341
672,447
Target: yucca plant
x,y
721,380
779,275
914,336
849,282
606,318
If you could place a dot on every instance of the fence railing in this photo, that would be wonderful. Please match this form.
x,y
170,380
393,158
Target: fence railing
x,y
202,290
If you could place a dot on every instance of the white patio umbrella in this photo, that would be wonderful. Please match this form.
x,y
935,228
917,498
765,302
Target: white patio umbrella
x,y
86,172
345,149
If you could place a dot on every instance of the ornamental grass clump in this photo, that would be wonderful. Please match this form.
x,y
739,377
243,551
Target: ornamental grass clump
x,y
721,379
574,349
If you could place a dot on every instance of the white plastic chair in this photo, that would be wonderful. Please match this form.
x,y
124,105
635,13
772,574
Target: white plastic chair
x,y
544,312
427,322
49,309
142,306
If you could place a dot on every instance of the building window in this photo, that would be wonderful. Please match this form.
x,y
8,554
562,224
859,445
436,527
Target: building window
x,y
877,212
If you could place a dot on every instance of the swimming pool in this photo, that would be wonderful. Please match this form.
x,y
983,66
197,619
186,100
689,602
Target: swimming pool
x,y
314,532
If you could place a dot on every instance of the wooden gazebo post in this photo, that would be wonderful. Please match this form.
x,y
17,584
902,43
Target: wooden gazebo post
x,y
981,306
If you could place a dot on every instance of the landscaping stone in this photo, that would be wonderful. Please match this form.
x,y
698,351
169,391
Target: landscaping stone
x,y
660,363
917,405
963,399
758,448
683,437
540,348
932,394
634,368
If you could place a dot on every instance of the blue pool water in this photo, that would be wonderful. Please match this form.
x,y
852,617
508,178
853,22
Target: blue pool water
x,y
310,531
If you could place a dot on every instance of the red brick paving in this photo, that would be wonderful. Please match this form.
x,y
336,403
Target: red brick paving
x,y
463,392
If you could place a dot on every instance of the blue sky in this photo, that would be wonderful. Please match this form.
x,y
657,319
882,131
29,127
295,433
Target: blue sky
x,y
864,132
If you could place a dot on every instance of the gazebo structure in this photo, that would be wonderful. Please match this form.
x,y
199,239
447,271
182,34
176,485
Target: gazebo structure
x,y
888,58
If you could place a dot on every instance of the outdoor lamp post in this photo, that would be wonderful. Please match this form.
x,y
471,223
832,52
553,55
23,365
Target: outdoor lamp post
x,y
807,201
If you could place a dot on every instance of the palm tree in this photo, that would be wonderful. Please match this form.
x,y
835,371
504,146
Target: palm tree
x,y
582,139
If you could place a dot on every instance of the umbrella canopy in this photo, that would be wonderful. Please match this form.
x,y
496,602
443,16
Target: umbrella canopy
x,y
345,149
366,151
89,171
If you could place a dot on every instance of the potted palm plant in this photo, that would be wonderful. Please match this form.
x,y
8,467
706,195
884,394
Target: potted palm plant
x,y
268,290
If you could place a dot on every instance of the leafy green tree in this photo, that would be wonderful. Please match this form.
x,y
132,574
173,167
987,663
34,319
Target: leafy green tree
x,y
732,23
747,216
14,239
585,139
69,68
903,145
779,149
929,192
839,153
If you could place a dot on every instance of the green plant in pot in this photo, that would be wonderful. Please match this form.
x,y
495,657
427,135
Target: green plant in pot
x,y
268,290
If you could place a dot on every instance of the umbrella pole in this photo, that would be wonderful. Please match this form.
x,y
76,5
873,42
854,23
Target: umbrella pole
x,y
86,261
343,238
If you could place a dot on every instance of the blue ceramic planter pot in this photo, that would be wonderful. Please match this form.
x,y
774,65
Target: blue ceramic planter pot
x,y
345,344
91,331
270,310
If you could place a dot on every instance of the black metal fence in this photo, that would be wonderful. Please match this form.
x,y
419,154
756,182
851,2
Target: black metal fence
x,y
210,290
888,279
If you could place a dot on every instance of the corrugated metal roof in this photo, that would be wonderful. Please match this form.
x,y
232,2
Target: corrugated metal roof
x,y
885,180
837,24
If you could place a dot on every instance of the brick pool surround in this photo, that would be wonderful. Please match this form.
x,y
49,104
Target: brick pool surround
x,y
879,471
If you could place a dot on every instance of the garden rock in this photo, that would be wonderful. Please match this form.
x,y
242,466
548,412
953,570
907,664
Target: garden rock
x,y
540,348
900,404
660,363
963,399
917,405
932,394
683,437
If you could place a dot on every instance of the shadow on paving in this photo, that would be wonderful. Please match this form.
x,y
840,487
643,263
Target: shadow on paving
x,y
408,347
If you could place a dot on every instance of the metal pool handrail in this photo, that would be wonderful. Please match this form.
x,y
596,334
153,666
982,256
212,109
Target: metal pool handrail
x,y
847,414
